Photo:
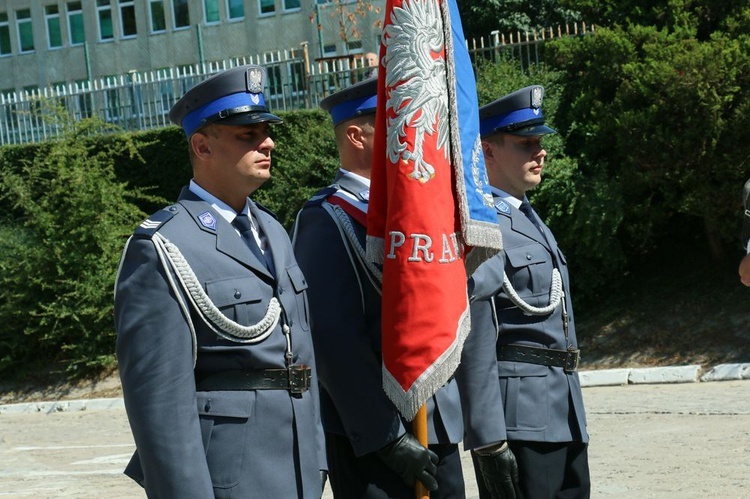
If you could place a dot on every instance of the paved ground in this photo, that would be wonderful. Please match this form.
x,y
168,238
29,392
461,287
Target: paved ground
x,y
688,440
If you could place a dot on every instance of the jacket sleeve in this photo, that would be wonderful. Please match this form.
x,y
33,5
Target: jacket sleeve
x,y
155,357
347,354
477,375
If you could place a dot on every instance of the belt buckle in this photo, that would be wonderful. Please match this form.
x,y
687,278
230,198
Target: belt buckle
x,y
299,379
572,357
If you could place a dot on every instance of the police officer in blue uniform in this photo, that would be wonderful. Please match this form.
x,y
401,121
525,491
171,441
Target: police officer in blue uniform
x,y
744,269
371,452
526,423
213,335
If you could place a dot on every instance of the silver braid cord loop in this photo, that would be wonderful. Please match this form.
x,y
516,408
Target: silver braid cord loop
x,y
556,295
218,322
346,224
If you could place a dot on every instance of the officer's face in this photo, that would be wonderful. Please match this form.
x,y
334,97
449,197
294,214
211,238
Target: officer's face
x,y
237,159
514,163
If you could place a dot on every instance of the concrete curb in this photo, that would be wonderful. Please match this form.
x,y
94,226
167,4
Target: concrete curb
x,y
725,372
63,406
671,374
600,377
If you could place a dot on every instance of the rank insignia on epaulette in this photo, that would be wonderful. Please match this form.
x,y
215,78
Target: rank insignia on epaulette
x,y
151,225
364,196
502,206
207,220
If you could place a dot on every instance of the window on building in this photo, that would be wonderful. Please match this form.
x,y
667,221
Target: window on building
x,y
157,18
236,9
4,34
54,33
354,47
75,23
181,13
25,31
127,18
329,50
267,6
291,4
211,11
104,14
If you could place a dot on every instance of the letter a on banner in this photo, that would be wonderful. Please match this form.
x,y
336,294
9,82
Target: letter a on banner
x,y
430,219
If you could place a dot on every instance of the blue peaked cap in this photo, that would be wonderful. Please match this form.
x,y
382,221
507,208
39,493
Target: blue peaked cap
x,y
518,113
232,97
356,100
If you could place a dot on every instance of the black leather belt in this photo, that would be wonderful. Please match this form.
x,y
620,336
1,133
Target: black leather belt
x,y
567,359
296,379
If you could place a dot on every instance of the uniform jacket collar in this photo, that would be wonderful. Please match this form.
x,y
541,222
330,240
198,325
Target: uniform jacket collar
x,y
353,185
519,222
227,240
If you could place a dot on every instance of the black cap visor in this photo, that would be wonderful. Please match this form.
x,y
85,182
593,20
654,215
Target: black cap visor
x,y
250,119
531,131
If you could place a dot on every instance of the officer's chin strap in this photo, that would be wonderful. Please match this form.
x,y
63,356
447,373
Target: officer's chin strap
x,y
212,316
556,296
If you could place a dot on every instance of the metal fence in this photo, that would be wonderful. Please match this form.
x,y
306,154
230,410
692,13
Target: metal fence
x,y
141,100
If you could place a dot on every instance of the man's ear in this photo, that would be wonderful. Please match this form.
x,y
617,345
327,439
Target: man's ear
x,y
354,136
200,145
487,149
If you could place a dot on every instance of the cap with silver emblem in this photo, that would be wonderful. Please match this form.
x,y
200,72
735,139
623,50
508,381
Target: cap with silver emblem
x,y
518,113
232,97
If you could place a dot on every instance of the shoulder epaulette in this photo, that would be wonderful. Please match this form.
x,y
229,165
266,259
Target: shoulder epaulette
x,y
153,223
321,195
263,208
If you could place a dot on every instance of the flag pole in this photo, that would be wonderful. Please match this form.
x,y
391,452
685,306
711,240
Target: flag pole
x,y
419,429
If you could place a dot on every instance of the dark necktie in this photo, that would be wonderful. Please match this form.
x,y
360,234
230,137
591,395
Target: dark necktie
x,y
529,212
242,224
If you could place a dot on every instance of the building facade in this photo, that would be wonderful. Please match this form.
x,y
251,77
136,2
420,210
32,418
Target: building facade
x,y
49,43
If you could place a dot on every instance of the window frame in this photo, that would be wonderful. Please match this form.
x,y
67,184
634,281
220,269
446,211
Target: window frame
x,y
269,13
122,7
48,18
21,26
5,30
241,5
102,9
216,8
151,28
70,16
175,5
286,9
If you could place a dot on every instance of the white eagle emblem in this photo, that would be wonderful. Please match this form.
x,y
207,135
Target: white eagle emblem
x,y
417,80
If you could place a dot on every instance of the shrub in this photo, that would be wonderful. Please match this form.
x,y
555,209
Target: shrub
x,y
59,258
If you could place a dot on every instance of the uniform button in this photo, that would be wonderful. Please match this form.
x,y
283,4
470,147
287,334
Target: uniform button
x,y
528,257
207,407
172,208
237,293
281,290
291,322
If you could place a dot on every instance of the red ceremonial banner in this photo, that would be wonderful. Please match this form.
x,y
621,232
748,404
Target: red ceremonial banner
x,y
417,218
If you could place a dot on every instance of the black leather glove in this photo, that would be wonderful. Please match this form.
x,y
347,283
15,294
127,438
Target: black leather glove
x,y
323,479
411,461
499,471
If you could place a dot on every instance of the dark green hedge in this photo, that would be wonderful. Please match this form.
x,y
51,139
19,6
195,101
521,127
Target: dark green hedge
x,y
68,207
